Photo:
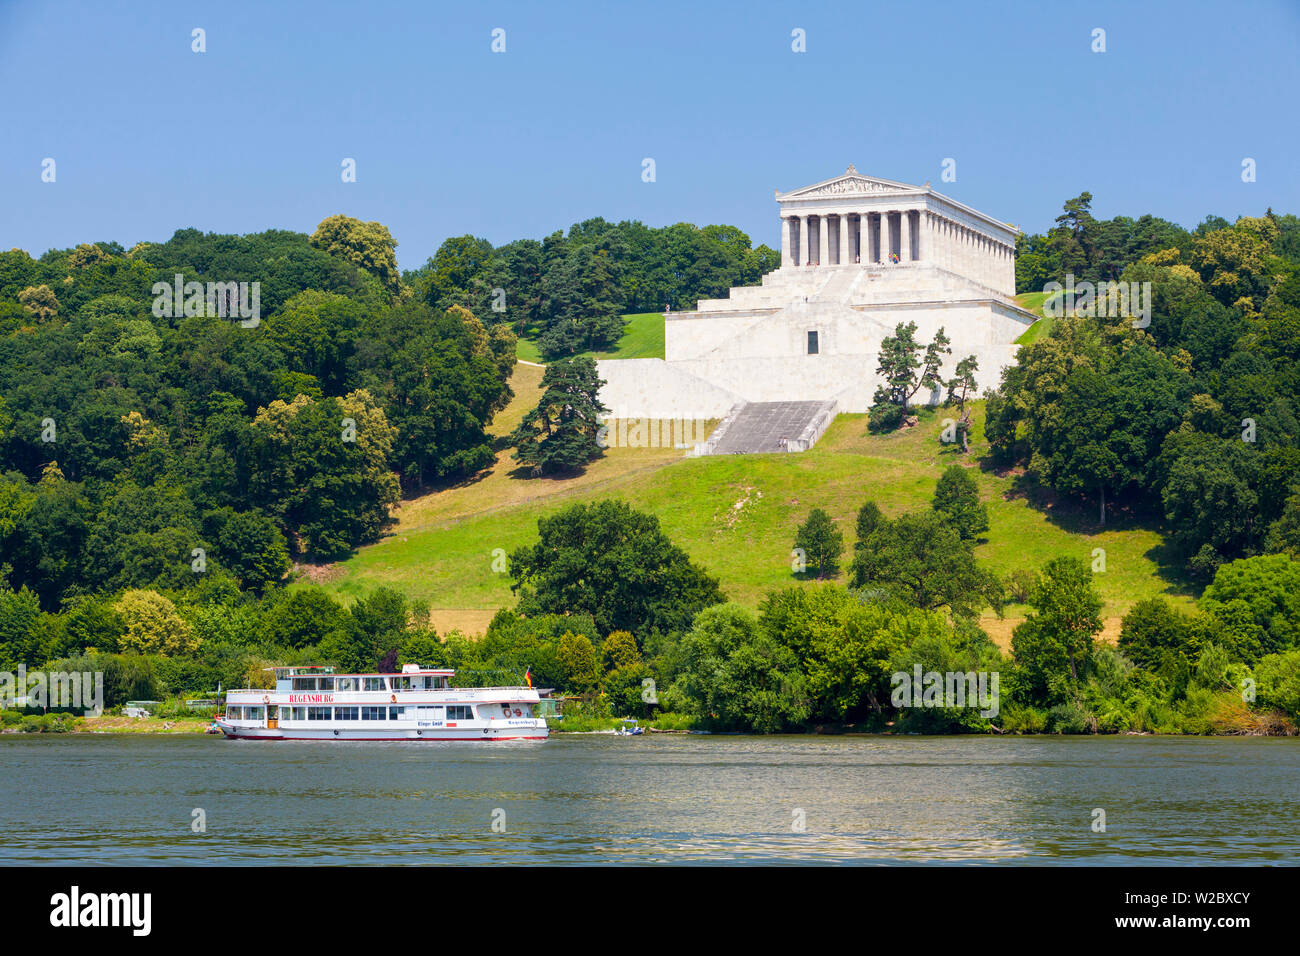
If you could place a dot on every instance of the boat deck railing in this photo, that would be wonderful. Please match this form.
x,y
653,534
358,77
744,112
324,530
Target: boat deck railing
x,y
400,690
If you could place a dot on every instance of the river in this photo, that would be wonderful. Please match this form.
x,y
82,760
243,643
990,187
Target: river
x,y
131,799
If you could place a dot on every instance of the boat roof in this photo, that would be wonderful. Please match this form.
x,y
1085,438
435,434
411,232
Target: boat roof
x,y
323,670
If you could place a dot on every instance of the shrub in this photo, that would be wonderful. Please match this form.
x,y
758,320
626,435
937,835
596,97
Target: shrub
x,y
1018,719
1020,584
675,722
1071,718
884,417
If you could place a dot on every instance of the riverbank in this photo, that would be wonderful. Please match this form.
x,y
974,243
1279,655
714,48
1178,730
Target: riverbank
x,y
108,724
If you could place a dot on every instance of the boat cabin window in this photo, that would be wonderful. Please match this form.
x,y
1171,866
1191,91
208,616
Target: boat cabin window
x,y
345,683
293,713
313,683
400,683
459,712
318,713
374,713
374,683
346,713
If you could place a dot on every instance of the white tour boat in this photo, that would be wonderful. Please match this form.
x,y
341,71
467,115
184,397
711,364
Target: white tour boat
x,y
314,703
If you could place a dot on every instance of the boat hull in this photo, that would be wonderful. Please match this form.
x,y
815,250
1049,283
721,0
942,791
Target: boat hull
x,y
523,730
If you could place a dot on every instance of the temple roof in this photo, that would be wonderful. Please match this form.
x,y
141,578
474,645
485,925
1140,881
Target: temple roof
x,y
849,183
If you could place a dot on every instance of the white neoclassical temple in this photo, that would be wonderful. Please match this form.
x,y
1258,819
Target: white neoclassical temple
x,y
859,255
855,220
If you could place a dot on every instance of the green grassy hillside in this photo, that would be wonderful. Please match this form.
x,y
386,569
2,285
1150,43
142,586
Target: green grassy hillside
x,y
737,516
1033,302
642,338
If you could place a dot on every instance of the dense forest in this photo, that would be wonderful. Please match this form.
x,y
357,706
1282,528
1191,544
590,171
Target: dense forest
x,y
570,292
1191,421
163,469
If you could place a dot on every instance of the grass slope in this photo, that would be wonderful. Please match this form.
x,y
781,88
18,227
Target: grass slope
x,y
737,516
643,337
1033,302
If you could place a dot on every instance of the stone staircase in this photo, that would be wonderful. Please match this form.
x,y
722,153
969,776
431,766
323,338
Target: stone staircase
x,y
763,427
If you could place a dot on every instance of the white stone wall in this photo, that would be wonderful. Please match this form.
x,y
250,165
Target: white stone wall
x,y
652,388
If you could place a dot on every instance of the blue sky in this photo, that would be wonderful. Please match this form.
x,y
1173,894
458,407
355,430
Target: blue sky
x,y
450,138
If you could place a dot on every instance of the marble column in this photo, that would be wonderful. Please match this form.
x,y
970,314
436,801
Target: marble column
x,y
843,257
905,236
805,240
823,241
787,241
884,238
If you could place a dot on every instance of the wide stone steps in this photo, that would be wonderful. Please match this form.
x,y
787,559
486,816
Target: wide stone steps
x,y
761,427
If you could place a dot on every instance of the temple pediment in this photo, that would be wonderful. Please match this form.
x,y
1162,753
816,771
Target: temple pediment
x,y
851,183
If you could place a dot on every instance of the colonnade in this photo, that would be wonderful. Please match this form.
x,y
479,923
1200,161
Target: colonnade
x,y
897,236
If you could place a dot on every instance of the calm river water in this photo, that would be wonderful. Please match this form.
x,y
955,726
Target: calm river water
x,y
653,799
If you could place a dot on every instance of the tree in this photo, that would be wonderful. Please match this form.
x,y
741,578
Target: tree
x,y
368,245
40,301
579,307
1209,498
301,618
253,548
1112,423
614,563
562,432
1154,633
957,498
960,387
579,663
869,518
152,625
845,644
1257,600
323,468
619,650
737,676
820,542
922,559
1058,632
902,369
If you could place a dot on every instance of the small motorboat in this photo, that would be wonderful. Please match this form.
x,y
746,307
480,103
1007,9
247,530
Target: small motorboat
x,y
635,730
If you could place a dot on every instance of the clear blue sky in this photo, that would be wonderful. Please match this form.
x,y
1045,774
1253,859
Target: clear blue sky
x,y
450,138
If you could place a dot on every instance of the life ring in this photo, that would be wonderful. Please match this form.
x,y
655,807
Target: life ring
x,y
518,712
392,698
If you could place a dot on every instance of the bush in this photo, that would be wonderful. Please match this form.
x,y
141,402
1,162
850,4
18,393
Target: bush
x,y
884,417
1071,718
1017,719
47,723
675,722
1020,584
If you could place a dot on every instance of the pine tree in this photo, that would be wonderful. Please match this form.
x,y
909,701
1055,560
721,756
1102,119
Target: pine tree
x,y
560,434
822,545
957,498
